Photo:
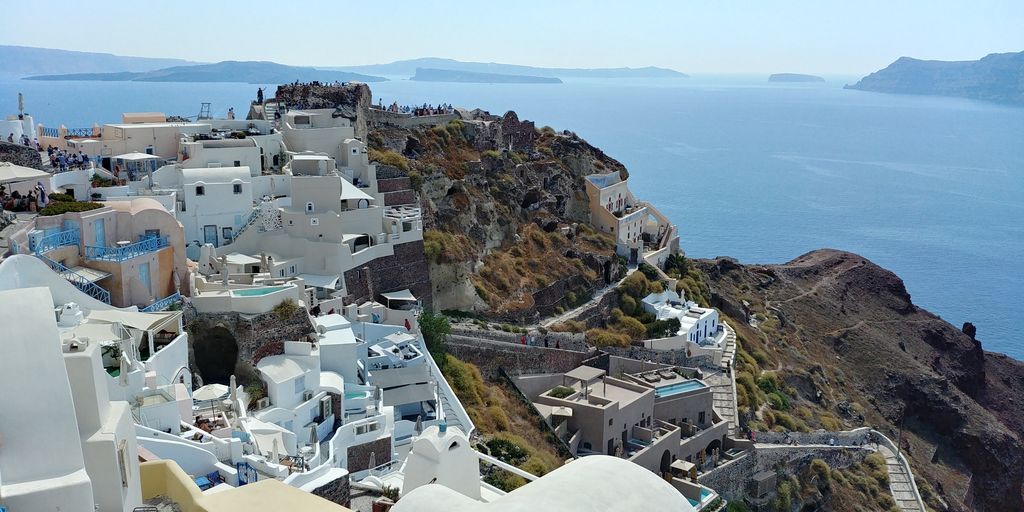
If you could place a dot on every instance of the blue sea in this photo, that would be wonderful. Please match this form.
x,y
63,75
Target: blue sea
x,y
931,188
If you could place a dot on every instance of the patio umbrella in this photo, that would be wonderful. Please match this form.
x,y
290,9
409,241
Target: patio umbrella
x,y
210,392
274,457
419,423
123,373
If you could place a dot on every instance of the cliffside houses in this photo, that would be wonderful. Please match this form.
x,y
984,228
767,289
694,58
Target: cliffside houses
x,y
642,234
661,418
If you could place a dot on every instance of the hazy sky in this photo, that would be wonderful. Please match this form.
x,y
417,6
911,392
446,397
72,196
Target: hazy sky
x,y
840,36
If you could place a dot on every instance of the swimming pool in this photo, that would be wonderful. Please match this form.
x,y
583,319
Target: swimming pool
x,y
679,387
356,395
704,495
256,292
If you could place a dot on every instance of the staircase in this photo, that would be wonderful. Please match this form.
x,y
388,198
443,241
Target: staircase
x,y
269,111
64,238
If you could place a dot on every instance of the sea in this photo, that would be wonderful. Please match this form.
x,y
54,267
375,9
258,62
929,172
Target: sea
x,y
931,188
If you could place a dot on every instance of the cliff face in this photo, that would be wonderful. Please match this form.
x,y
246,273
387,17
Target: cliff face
x,y
842,330
996,77
505,212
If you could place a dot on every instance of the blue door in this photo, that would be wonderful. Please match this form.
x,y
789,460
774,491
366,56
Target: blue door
x,y
144,277
210,235
99,232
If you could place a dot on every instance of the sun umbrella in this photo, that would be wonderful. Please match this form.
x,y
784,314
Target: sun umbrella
x,y
210,392
12,173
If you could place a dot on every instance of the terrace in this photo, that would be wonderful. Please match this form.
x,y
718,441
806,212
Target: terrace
x,y
126,250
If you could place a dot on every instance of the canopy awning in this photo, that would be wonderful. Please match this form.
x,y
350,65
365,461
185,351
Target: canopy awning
x,y
682,465
131,157
134,319
351,192
404,295
409,394
585,374
237,258
11,173
321,281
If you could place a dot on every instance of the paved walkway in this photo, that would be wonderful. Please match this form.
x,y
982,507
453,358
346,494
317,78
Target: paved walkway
x,y
901,482
723,388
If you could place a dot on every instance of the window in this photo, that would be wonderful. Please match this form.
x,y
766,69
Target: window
x,y
309,207
300,383
609,422
237,188
227,233
355,151
238,163
291,269
700,417
200,190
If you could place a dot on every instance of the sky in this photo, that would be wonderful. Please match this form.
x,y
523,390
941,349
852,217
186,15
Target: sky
x,y
763,36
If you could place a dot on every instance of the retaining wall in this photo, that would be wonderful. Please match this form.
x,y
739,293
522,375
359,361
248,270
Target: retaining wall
x,y
490,356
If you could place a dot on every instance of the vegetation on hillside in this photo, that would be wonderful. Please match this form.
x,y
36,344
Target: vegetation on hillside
x,y
509,275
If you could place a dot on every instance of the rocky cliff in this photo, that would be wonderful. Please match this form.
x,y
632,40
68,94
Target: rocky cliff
x,y
844,338
505,212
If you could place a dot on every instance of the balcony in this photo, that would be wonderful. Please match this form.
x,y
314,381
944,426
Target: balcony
x,y
123,252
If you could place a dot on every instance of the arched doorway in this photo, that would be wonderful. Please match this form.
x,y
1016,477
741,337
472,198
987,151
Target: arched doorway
x,y
712,446
216,353
666,462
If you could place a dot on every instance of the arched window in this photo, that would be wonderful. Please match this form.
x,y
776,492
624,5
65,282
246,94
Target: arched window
x,y
309,207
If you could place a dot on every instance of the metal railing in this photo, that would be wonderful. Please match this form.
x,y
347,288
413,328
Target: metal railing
x,y
126,252
55,240
81,282
51,132
79,132
163,303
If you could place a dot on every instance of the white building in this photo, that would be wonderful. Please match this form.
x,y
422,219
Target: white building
x,y
701,331
66,445
641,232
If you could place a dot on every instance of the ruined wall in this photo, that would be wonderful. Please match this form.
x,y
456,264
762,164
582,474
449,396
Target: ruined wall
x,y
407,268
381,118
351,99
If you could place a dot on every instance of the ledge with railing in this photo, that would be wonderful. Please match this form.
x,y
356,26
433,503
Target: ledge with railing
x,y
52,241
81,282
125,252
163,304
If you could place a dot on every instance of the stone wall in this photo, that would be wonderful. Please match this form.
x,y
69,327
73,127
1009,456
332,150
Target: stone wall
x,y
381,118
575,342
20,155
858,437
336,491
400,197
388,172
407,268
490,356
393,184
359,455
256,337
668,357
517,134
730,480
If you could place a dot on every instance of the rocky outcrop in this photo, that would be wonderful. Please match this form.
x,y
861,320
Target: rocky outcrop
x,y
19,154
351,100
853,324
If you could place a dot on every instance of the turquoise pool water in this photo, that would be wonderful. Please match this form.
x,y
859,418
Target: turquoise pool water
x,y
256,292
704,495
355,395
679,387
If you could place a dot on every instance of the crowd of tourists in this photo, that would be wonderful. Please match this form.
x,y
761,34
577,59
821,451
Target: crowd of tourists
x,y
23,140
62,160
18,202
423,110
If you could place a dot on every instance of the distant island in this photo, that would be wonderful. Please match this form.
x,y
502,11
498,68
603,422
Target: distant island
x,y
451,75
996,77
26,60
253,72
408,68
794,77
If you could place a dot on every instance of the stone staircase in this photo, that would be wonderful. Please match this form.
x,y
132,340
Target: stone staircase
x,y
723,389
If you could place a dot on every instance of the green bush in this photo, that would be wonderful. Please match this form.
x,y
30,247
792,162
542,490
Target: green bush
x,y
59,208
627,304
57,197
285,309
416,180
649,272
561,392
492,154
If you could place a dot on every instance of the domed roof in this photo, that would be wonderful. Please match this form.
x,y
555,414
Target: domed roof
x,y
596,482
